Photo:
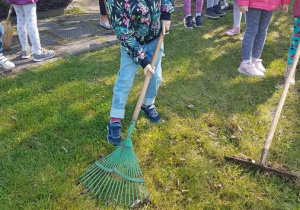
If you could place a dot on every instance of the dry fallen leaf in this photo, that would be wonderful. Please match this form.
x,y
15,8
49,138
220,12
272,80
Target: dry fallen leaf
x,y
135,204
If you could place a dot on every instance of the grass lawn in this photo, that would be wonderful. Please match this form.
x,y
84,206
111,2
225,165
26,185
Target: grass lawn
x,y
53,125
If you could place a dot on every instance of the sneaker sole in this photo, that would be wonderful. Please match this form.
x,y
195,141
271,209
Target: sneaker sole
x,y
212,17
26,57
228,34
105,27
7,69
197,26
245,73
42,59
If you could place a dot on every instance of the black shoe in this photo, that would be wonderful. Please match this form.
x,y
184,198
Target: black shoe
x,y
114,133
188,22
210,13
197,21
218,11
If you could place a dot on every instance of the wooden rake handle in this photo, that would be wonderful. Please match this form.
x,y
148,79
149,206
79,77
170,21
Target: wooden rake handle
x,y
147,79
265,151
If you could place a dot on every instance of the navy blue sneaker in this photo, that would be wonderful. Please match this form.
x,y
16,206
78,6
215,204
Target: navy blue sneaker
x,y
151,113
114,133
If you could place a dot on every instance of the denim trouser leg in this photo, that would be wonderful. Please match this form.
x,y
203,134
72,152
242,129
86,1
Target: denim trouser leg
x,y
1,33
125,80
257,22
156,78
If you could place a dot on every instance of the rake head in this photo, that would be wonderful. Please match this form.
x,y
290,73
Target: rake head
x,y
117,178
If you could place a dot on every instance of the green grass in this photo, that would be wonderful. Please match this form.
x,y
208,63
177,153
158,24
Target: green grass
x,y
53,120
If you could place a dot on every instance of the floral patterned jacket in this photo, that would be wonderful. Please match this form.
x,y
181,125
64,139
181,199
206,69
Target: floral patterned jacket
x,y
137,22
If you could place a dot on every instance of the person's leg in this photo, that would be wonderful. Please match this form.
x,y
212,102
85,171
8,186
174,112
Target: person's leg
x,y
102,7
237,15
148,106
31,20
188,20
103,15
122,88
198,19
292,50
210,3
253,18
4,62
22,27
260,37
123,85
1,34
247,67
156,78
199,7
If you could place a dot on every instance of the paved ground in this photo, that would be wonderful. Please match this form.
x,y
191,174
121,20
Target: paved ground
x,y
67,34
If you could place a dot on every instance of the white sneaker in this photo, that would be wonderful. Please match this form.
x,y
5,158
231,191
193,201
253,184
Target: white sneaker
x,y
27,53
249,69
105,24
5,63
258,64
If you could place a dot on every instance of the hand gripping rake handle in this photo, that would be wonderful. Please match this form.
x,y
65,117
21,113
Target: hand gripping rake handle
x,y
147,80
287,84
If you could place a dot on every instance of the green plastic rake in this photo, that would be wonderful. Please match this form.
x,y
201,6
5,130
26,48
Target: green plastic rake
x,y
117,178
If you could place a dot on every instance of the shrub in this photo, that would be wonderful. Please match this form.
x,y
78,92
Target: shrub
x,y
41,5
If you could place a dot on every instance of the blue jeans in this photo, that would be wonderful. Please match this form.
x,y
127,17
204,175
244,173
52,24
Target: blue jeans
x,y
1,33
126,76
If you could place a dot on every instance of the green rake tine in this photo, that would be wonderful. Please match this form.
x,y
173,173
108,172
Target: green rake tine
x,y
87,171
121,181
103,175
91,168
95,179
89,175
113,187
104,186
107,190
122,192
118,185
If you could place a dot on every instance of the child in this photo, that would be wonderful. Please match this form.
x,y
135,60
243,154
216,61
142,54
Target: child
x,y
4,62
103,16
188,21
258,16
237,16
213,11
138,24
294,41
27,25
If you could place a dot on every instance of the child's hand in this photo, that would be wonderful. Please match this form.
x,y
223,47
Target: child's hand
x,y
244,8
165,24
285,8
148,68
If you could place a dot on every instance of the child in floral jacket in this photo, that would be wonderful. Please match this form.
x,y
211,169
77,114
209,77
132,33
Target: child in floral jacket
x,y
138,24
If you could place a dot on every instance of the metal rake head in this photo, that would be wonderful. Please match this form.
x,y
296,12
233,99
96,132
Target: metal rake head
x,y
117,178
